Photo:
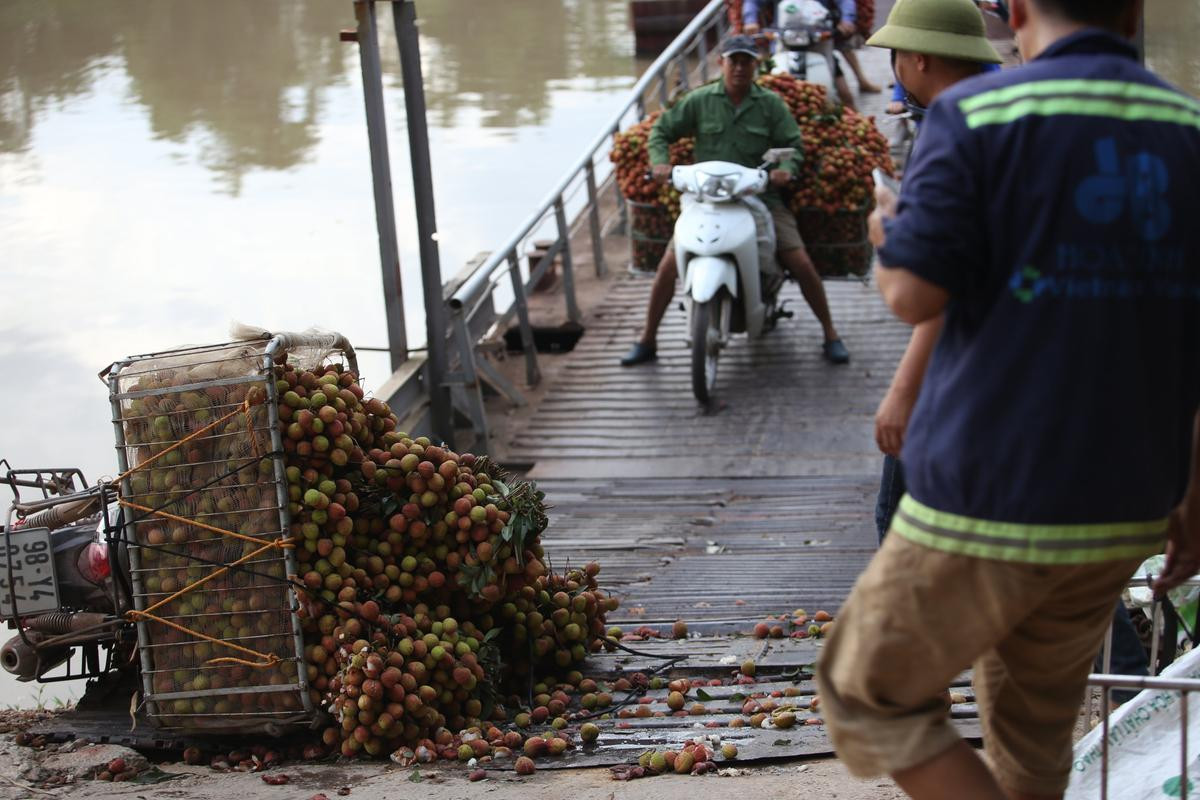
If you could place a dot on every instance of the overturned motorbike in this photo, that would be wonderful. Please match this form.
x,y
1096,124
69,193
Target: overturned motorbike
x,y
173,583
64,579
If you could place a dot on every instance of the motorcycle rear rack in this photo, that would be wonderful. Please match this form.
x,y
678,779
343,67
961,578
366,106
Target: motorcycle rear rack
x,y
57,487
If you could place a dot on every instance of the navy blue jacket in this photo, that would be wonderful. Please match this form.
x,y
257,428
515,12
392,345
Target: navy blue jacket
x,y
1057,203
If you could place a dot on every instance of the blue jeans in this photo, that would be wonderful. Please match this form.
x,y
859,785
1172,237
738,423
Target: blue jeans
x,y
891,489
1128,655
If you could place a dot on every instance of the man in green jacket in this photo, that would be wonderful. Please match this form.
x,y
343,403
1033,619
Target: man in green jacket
x,y
735,120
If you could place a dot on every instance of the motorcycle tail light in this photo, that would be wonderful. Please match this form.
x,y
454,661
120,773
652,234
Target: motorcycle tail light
x,y
93,562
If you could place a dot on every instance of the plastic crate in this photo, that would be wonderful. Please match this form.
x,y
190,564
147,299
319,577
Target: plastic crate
x,y
226,656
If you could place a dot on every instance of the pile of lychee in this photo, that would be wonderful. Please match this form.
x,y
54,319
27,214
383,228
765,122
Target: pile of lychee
x,y
840,147
695,757
428,581
797,625
425,599
118,770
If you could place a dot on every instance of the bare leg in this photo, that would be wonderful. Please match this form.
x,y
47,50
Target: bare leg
x,y
844,94
951,775
864,85
661,292
797,262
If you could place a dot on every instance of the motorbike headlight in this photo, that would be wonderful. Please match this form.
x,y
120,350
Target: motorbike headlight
x,y
796,37
716,187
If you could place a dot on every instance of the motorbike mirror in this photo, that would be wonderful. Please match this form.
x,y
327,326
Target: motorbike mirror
x,y
777,154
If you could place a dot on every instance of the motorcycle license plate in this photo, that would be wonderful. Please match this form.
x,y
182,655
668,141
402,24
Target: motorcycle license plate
x,y
33,585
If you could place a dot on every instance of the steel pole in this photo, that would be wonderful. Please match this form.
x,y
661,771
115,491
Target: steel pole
x,y
381,177
404,12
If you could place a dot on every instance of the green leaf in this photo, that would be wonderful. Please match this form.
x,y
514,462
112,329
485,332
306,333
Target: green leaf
x,y
781,742
155,775
506,532
499,484
492,634
390,505
703,695
415,777
737,696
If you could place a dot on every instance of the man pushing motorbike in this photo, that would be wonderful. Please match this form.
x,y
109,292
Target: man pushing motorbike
x,y
735,120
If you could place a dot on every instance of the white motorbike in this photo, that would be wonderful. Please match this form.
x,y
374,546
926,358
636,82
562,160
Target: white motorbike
x,y
719,252
803,42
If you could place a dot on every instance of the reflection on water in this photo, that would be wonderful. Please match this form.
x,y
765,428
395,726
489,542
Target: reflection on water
x,y
45,57
244,82
478,57
248,75
167,167
243,78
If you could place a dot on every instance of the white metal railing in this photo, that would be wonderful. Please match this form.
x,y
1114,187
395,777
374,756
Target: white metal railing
x,y
471,302
1108,682
692,38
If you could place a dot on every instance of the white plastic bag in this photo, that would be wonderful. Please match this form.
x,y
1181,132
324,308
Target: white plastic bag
x,y
796,13
1143,596
1144,739
764,225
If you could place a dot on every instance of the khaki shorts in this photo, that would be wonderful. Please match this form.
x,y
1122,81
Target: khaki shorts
x,y
787,235
917,617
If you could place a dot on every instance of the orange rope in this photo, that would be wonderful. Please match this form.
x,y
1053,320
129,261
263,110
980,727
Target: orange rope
x,y
244,408
214,574
268,659
195,523
283,543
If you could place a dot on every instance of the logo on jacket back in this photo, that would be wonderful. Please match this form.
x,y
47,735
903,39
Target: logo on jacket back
x,y
1137,187
1131,195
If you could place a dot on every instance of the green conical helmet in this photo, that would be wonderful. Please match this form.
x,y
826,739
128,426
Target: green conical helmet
x,y
947,28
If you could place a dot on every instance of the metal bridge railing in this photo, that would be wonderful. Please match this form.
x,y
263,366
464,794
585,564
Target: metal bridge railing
x,y
1184,686
1108,682
472,302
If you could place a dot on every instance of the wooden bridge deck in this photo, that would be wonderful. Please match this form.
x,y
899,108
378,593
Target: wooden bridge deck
x,y
760,506
764,505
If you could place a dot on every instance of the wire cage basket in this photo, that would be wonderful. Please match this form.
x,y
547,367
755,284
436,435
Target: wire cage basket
x,y
837,241
205,518
650,231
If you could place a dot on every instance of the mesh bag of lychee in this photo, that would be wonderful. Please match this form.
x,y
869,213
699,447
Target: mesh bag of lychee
x,y
206,526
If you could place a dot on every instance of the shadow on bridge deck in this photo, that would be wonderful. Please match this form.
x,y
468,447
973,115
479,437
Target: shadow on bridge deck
x,y
761,506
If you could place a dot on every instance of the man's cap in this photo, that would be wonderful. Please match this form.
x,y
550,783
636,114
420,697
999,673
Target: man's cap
x,y
947,28
739,44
